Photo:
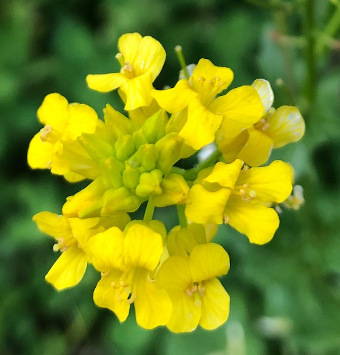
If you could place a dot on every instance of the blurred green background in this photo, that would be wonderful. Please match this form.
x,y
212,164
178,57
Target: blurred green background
x,y
285,296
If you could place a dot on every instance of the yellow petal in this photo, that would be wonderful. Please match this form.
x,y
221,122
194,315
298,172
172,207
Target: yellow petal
x,y
265,92
128,45
256,221
137,91
143,247
175,99
84,229
55,225
105,82
186,313
39,155
242,104
215,305
107,294
271,183
152,305
208,261
73,177
230,146
54,112
68,270
225,174
106,250
150,57
82,119
257,149
209,80
87,202
174,274
201,125
206,207
286,125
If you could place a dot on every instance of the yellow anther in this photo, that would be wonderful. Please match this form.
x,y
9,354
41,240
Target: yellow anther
x,y
252,193
44,132
120,58
128,70
131,299
56,247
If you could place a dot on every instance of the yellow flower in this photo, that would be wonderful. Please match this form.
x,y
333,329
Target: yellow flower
x,y
197,295
203,113
141,60
275,129
64,123
127,262
224,193
72,235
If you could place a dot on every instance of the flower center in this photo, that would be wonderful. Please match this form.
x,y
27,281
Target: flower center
x,y
196,290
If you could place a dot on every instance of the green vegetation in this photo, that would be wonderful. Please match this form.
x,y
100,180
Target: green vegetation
x,y
285,296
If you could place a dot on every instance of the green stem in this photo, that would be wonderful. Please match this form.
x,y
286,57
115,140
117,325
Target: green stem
x,y
181,216
181,59
310,85
191,174
149,210
288,63
329,31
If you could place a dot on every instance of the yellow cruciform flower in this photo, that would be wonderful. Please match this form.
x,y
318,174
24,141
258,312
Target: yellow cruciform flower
x,y
197,295
142,59
241,198
204,113
72,235
275,129
127,263
64,123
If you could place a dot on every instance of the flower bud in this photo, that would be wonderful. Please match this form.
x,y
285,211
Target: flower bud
x,y
154,127
149,184
119,200
147,156
124,147
131,177
169,148
174,191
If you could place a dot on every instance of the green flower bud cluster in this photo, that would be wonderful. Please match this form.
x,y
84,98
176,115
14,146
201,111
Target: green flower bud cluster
x,y
135,163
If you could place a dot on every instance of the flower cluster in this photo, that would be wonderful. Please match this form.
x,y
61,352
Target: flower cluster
x,y
171,278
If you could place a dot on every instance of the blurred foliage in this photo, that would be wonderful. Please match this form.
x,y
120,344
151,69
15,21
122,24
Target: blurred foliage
x,y
285,296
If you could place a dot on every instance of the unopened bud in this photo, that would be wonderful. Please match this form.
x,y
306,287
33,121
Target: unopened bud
x,y
170,148
149,184
124,147
119,200
154,127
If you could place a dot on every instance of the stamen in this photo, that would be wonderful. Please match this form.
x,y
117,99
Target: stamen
x,y
44,132
226,219
131,299
56,247
120,58
245,168
201,290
